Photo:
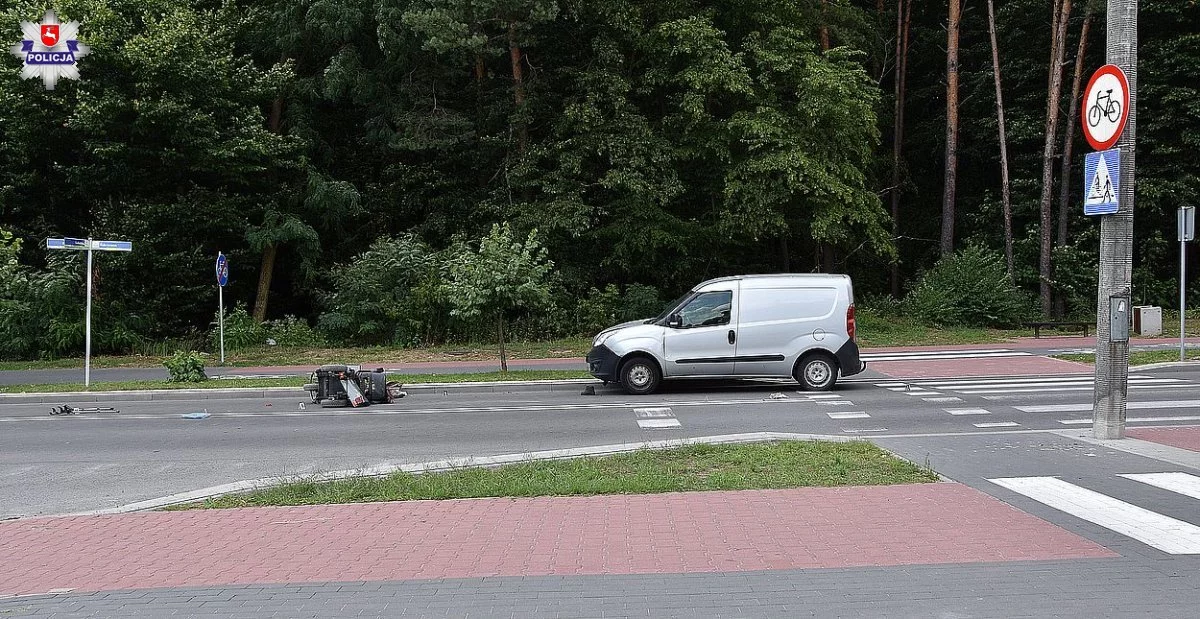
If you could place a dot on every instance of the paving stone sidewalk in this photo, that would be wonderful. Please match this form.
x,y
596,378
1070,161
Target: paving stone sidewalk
x,y
1182,437
428,540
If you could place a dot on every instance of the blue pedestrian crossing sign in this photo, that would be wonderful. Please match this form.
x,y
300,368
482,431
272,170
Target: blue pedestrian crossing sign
x,y
1102,175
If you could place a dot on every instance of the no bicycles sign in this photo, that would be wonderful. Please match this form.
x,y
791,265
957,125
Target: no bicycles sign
x,y
1105,107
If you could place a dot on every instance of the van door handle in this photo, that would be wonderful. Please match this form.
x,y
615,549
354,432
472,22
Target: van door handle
x,y
732,336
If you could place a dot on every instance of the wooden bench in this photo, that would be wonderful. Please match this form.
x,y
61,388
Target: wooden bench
x,y
1038,326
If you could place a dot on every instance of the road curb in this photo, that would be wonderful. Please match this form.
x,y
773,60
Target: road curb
x,y
262,393
1161,366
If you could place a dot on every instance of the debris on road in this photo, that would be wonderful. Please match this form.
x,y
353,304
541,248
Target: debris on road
x,y
67,409
204,414
589,390
349,385
778,396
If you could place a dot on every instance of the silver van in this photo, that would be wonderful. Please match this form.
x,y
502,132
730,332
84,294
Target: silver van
x,y
746,326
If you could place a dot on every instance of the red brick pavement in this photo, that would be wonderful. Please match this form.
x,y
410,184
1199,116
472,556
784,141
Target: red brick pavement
x,y
1183,438
633,534
981,366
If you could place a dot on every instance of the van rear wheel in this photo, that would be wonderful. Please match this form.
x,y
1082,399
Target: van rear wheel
x,y
817,372
640,376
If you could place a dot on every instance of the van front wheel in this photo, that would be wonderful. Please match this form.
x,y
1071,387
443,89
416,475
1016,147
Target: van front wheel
x,y
817,372
640,376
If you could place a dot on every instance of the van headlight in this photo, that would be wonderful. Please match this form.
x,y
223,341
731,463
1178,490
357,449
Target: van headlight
x,y
600,339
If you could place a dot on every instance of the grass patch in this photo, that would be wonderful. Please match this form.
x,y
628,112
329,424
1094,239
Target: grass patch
x,y
878,332
787,464
315,356
407,379
1139,357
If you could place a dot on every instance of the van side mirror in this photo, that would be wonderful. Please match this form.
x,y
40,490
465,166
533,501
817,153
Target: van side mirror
x,y
675,321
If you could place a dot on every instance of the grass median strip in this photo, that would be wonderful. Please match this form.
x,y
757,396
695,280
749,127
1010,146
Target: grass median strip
x,y
785,464
298,381
1138,357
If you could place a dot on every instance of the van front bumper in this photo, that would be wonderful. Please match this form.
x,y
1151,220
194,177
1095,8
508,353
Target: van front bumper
x,y
848,360
602,363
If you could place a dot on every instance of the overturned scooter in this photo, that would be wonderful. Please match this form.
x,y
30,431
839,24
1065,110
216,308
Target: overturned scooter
x,y
349,385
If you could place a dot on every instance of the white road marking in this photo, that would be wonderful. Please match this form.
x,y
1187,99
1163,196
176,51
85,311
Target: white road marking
x,y
1179,483
1079,422
648,413
658,423
853,415
1078,408
936,356
948,399
967,411
1088,387
835,403
997,424
863,430
1154,529
823,396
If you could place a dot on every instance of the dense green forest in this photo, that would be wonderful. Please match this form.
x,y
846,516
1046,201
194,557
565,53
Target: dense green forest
x,y
350,155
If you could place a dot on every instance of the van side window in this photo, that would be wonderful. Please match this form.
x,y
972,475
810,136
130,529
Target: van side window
x,y
709,309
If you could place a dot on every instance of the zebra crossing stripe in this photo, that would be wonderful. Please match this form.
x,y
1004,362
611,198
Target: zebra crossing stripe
x,y
997,424
945,400
1079,408
1167,534
656,417
1179,483
967,411
1080,422
853,415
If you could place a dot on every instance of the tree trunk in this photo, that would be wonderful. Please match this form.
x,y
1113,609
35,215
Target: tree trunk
x,y
785,258
503,353
1064,190
267,269
514,51
955,17
1004,185
824,25
264,282
828,258
1058,50
903,19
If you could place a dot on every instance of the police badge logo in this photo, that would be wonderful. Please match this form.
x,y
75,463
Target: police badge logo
x,y
50,50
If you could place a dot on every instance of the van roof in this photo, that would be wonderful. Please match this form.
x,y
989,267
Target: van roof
x,y
768,276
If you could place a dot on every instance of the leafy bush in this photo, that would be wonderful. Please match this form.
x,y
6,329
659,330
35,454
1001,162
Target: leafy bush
x,y
879,305
969,288
640,301
388,294
186,367
598,309
292,331
241,330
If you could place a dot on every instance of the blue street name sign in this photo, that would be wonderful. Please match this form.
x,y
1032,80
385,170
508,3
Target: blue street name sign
x,y
83,245
1101,177
112,245
67,243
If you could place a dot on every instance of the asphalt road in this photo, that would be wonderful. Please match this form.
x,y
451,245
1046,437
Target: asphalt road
x,y
101,460
75,375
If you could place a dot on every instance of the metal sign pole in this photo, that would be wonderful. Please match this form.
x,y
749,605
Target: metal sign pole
x,y
1182,298
87,328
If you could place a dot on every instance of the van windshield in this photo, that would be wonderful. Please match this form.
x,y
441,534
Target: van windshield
x,y
670,307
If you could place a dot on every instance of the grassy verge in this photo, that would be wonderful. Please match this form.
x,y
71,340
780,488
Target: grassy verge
x,y
788,464
315,356
876,332
1139,357
407,379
